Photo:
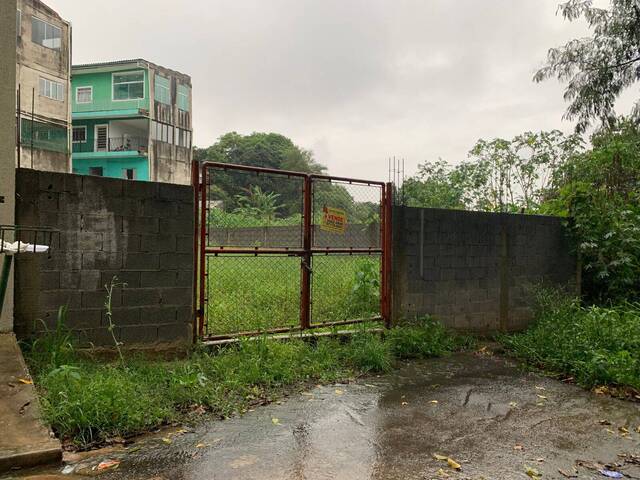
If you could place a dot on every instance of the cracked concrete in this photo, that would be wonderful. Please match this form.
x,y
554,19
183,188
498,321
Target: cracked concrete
x,y
483,411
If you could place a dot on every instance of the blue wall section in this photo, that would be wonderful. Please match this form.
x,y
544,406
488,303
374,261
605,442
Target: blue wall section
x,y
113,167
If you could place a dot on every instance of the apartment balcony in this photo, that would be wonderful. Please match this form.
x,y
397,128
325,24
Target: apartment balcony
x,y
111,109
124,146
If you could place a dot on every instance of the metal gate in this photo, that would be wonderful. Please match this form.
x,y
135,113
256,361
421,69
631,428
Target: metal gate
x,y
279,251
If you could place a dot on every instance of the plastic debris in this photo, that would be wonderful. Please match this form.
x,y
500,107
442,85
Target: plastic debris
x,y
611,473
107,464
68,469
22,247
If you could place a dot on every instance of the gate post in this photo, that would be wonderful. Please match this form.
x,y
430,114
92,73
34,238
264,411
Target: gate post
x,y
387,248
195,184
305,264
203,245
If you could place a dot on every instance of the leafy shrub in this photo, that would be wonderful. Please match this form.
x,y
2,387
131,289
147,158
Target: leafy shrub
x,y
427,339
369,353
595,345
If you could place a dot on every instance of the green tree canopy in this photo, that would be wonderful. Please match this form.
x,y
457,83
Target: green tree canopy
x,y
598,68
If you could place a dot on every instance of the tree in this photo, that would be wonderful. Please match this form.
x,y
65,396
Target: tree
x,y
258,204
597,69
267,150
600,190
434,187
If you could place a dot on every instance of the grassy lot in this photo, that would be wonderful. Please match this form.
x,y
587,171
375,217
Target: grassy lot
x,y
249,293
594,345
88,401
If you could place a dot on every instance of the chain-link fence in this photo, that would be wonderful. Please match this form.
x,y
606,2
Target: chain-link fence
x,y
288,250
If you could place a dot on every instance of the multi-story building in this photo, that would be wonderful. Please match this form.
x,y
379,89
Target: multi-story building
x,y
131,119
43,77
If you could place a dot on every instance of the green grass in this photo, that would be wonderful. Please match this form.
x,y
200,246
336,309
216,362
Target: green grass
x,y
594,345
87,401
258,293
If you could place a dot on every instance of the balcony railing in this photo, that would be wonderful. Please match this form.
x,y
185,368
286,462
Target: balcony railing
x,y
109,105
114,144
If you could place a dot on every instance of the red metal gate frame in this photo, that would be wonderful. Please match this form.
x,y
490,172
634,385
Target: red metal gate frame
x,y
201,181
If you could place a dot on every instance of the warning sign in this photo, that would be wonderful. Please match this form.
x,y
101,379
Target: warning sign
x,y
334,220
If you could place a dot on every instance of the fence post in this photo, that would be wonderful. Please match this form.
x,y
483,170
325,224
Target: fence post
x,y
305,263
195,184
387,207
203,245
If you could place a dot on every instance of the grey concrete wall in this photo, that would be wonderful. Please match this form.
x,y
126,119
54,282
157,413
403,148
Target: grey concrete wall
x,y
141,232
476,271
7,133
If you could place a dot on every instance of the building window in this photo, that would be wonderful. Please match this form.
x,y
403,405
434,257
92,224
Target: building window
x,y
44,136
128,86
51,89
84,94
45,34
183,138
162,90
96,171
80,134
129,173
183,98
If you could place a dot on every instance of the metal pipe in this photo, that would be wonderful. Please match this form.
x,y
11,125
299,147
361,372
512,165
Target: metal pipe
x,y
4,278
305,263
195,181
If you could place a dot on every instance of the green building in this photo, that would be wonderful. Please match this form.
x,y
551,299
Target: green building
x,y
131,119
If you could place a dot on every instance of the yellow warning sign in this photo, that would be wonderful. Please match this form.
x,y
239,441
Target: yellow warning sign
x,y
334,220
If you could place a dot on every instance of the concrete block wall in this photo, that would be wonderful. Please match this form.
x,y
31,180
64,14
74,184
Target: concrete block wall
x,y
476,271
139,232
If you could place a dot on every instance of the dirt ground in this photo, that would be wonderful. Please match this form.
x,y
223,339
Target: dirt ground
x,y
489,416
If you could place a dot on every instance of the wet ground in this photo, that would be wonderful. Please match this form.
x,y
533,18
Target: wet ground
x,y
493,419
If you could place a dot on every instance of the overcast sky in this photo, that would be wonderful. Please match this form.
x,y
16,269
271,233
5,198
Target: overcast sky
x,y
356,81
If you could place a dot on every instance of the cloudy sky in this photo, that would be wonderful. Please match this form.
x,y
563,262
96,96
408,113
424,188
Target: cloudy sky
x,y
356,81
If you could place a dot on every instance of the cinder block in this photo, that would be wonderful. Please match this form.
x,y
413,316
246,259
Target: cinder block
x,y
159,208
140,225
117,242
158,315
182,226
139,190
84,318
167,278
184,243
176,261
131,279
61,261
141,261
185,314
175,193
179,332
176,296
160,243
80,279
101,222
97,298
48,201
123,316
139,334
184,278
101,260
54,299
139,297
102,186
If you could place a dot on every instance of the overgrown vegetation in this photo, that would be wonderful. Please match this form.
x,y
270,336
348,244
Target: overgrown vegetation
x,y
259,293
89,401
593,345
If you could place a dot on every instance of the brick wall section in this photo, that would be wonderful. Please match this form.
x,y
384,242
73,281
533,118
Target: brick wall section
x,y
476,271
141,232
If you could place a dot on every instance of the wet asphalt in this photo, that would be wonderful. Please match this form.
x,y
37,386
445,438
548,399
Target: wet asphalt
x,y
492,418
